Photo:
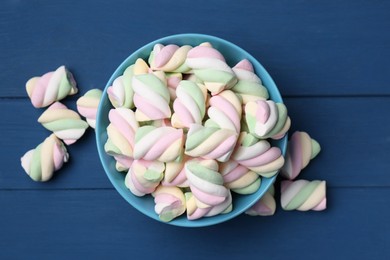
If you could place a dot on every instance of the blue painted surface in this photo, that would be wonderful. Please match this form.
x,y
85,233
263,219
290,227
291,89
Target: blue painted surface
x,y
330,61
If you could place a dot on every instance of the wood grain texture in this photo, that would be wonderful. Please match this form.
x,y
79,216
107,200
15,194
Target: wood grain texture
x,y
68,224
309,48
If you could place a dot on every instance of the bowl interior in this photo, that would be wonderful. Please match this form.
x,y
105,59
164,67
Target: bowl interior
x,y
233,54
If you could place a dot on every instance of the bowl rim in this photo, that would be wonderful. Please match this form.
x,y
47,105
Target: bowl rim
x,y
100,130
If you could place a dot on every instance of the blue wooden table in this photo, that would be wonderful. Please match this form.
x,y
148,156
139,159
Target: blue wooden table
x,y
331,62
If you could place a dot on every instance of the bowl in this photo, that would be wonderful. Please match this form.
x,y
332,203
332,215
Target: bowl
x,y
233,54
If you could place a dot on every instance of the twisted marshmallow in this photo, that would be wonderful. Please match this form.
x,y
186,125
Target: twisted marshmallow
x,y
210,142
169,202
121,136
189,106
249,86
164,144
169,58
174,174
47,157
206,185
144,177
87,105
267,119
193,211
258,155
151,98
50,87
301,149
196,212
238,178
169,79
66,124
303,195
210,66
265,206
121,93
225,111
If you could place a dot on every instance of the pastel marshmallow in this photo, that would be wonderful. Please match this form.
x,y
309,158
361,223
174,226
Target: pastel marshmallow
x,y
151,98
238,178
190,105
121,137
169,202
169,58
210,66
49,156
144,177
164,144
210,142
88,104
249,86
65,123
225,111
303,195
206,183
267,119
51,87
301,148
258,155
121,93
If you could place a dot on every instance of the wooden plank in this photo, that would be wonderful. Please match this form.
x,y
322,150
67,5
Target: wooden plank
x,y
354,136
322,48
353,133
99,224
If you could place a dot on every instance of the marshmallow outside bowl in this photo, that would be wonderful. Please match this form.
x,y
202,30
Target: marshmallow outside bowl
x,y
233,54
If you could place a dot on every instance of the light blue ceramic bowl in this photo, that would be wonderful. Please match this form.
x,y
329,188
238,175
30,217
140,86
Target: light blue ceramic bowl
x,y
232,54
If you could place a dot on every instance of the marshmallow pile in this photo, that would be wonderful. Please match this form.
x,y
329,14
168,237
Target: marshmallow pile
x,y
65,124
191,131
185,128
